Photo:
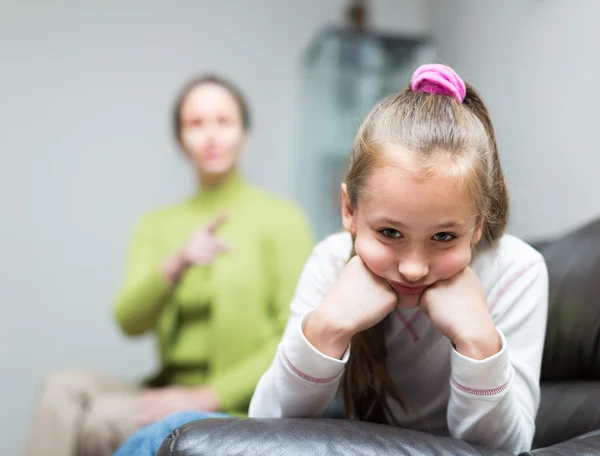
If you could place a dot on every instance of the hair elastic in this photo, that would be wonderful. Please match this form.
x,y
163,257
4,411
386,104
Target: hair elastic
x,y
438,79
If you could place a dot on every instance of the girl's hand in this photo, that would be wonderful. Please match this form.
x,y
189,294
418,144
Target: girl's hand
x,y
458,309
357,301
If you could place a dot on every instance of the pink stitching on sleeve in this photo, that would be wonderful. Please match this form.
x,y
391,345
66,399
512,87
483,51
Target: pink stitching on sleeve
x,y
482,392
509,283
305,376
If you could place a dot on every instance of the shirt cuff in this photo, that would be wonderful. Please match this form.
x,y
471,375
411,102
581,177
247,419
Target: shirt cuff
x,y
304,360
486,377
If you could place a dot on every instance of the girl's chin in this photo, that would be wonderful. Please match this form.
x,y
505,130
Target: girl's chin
x,y
408,302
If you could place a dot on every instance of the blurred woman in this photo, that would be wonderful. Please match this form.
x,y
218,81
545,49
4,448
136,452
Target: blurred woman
x,y
211,277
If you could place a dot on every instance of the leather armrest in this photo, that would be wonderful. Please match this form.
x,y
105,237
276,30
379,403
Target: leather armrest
x,y
584,445
261,437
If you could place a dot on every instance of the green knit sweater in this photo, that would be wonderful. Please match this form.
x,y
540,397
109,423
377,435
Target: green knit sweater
x,y
221,324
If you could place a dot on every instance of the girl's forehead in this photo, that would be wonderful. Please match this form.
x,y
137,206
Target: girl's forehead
x,y
418,180
426,194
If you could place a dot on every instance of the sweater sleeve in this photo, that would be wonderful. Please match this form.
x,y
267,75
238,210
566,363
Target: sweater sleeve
x,y
138,304
494,401
289,245
301,381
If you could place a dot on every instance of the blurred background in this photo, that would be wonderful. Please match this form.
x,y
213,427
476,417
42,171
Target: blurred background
x,y
86,148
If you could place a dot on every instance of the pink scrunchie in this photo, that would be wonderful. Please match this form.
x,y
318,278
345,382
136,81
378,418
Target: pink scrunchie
x,y
438,79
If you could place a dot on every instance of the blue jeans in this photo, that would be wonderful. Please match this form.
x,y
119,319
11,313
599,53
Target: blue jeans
x,y
148,440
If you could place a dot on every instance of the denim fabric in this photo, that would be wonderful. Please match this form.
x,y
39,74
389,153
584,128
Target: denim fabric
x,y
148,440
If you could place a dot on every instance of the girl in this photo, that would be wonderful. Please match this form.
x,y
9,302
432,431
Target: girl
x,y
423,313
211,277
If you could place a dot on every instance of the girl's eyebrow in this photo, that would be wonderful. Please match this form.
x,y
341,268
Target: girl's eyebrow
x,y
445,225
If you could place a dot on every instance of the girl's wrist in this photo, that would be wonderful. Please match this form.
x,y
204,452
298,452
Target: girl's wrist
x,y
327,336
480,345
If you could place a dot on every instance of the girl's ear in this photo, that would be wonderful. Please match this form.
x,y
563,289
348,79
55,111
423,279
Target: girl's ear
x,y
477,234
348,212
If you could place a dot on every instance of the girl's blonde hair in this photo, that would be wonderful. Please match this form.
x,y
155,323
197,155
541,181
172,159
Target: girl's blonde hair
x,y
435,127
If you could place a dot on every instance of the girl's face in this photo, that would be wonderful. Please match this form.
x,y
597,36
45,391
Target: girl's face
x,y
212,132
412,228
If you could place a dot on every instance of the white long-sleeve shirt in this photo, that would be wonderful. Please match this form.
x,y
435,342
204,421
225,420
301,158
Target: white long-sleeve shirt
x,y
492,401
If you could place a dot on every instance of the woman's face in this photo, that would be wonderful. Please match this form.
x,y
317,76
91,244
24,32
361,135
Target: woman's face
x,y
212,131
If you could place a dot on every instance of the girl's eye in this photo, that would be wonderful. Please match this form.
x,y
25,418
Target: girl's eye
x,y
391,233
444,237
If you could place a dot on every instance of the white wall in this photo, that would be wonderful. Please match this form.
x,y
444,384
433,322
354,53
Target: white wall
x,y
536,63
85,148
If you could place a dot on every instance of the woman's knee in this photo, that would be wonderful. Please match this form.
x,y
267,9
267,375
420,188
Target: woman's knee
x,y
66,382
108,422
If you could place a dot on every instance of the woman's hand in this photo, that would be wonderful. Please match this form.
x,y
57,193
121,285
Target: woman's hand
x,y
158,403
458,309
201,250
357,301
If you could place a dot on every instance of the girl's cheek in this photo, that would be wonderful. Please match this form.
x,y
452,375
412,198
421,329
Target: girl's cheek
x,y
376,255
453,261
